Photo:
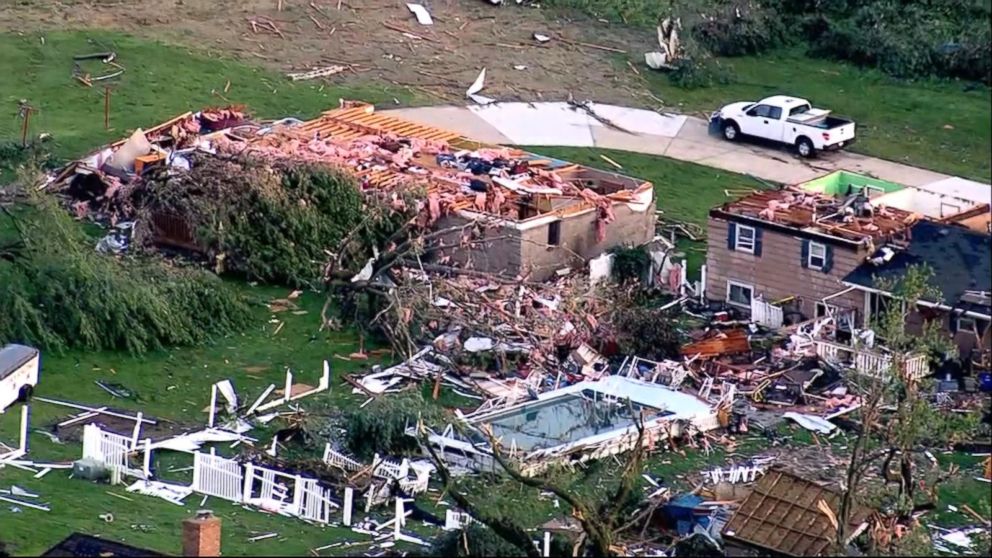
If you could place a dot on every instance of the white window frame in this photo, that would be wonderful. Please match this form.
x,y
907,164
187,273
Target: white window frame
x,y
753,240
974,324
828,309
731,283
823,258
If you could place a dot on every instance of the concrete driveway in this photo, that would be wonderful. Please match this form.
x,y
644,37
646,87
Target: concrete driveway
x,y
679,137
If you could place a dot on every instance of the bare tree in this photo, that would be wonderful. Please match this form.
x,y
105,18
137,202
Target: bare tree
x,y
898,422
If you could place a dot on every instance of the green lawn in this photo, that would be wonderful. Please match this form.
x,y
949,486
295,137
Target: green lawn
x,y
160,81
941,125
174,385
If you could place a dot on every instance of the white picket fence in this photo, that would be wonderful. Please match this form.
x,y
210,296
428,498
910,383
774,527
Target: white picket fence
x,y
110,449
766,314
216,476
268,489
385,469
870,362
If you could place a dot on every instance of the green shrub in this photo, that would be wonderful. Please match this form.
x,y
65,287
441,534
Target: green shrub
x,y
59,293
474,540
904,38
736,28
380,427
907,39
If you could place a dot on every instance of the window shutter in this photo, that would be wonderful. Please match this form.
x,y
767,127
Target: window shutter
x,y
952,322
804,254
828,259
731,235
757,241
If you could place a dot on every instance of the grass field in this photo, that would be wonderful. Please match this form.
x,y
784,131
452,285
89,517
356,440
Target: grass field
x,y
944,125
173,385
160,81
941,125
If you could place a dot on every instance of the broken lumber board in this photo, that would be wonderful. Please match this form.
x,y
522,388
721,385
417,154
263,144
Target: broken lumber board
x,y
93,409
728,342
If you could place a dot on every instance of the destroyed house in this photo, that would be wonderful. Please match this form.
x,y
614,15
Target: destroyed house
x,y
793,247
509,211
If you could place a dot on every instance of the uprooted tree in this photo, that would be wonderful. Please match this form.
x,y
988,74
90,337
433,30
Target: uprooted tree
x,y
266,220
58,292
603,518
898,421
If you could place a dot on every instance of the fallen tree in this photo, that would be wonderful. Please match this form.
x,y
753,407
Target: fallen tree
x,y
265,220
59,293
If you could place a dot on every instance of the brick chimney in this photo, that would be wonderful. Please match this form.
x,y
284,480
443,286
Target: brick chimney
x,y
201,535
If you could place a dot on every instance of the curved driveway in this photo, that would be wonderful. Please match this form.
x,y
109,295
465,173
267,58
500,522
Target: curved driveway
x,y
679,137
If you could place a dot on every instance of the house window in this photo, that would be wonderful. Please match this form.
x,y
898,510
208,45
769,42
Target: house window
x,y
967,324
554,233
817,256
745,239
739,294
822,310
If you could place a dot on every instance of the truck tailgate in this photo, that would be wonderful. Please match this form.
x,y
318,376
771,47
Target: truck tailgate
x,y
840,134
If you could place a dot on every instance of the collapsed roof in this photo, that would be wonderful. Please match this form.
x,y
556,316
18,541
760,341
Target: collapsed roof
x,y
849,217
384,152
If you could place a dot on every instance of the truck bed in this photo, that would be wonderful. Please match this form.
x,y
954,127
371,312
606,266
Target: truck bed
x,y
825,123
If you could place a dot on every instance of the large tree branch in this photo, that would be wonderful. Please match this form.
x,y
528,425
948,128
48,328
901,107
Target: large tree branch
x,y
509,532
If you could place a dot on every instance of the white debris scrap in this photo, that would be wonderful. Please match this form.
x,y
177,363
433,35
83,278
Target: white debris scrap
x,y
477,85
811,422
423,16
169,492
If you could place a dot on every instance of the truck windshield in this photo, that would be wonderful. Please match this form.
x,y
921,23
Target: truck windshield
x,y
801,109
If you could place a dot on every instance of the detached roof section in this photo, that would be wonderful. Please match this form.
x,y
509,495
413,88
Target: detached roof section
x,y
785,514
961,260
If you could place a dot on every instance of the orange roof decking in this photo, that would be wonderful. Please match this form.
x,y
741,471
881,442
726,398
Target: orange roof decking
x,y
354,122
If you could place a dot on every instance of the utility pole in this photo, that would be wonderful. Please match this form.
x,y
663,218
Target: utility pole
x,y
24,112
106,107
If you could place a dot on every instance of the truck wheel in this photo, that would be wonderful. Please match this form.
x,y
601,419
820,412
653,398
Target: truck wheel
x,y
25,393
805,148
731,131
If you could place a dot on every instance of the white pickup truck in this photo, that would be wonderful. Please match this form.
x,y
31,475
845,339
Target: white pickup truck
x,y
788,120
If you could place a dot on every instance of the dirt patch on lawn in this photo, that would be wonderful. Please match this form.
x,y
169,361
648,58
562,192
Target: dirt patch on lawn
x,y
438,61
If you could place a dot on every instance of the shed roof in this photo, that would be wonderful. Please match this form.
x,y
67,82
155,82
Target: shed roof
x,y
13,357
961,260
782,515
78,544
